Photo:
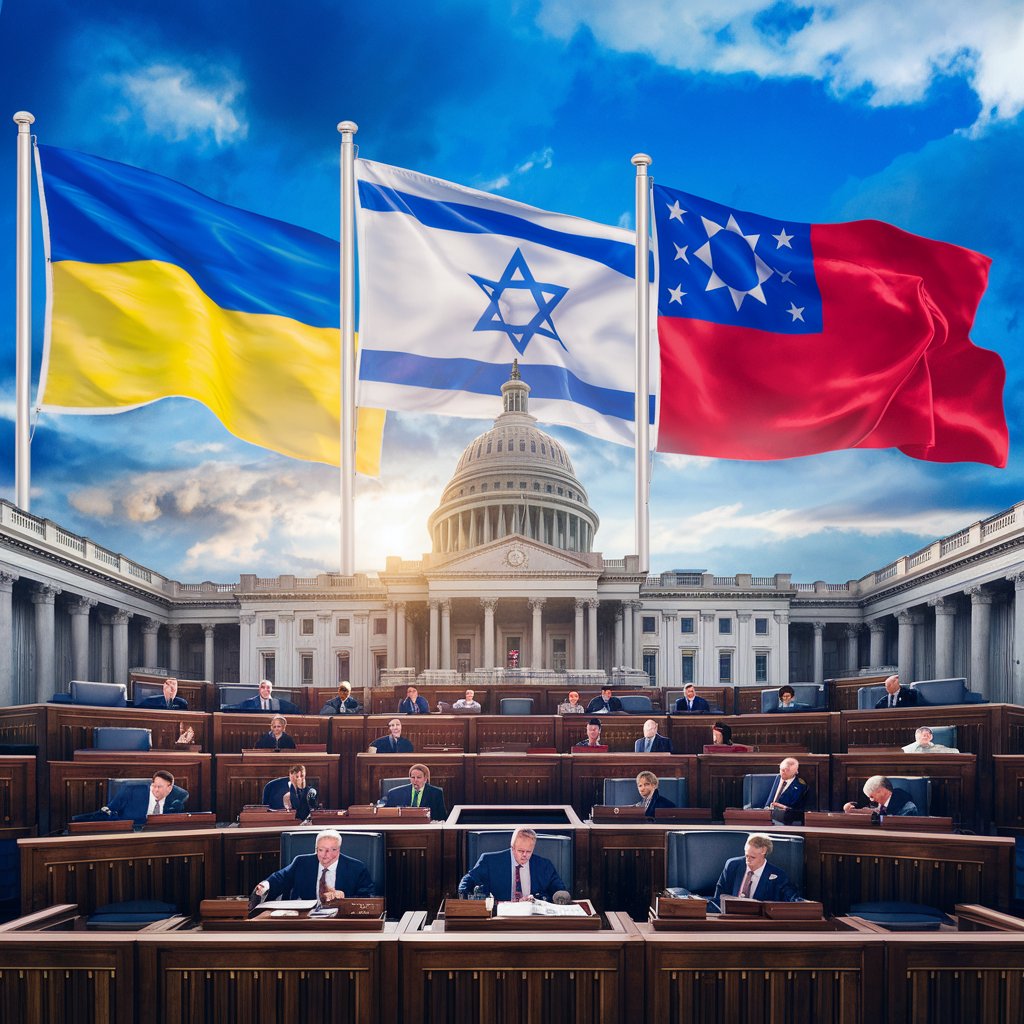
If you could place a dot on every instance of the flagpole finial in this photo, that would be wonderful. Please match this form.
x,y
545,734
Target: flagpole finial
x,y
23,119
515,375
349,127
641,160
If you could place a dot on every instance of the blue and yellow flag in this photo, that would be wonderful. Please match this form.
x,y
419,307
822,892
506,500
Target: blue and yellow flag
x,y
159,291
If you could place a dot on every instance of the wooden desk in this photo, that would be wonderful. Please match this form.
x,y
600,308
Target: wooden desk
x,y
236,731
619,733
517,778
587,773
199,693
807,730
17,791
1008,782
721,778
241,777
423,730
977,727
532,730
446,770
842,692
69,727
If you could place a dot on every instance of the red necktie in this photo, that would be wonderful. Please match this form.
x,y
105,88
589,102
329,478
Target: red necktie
x,y
517,893
745,887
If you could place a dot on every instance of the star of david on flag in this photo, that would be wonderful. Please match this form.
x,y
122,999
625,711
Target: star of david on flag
x,y
456,283
779,339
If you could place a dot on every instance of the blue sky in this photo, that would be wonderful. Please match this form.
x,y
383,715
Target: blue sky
x,y
818,112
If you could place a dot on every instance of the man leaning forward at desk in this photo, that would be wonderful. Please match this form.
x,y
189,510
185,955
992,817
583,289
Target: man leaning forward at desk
x,y
753,877
886,799
516,874
324,876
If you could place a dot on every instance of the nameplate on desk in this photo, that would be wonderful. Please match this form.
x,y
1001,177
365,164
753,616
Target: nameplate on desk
x,y
311,748
258,816
474,909
682,814
916,823
76,828
327,816
363,814
197,819
675,907
225,908
838,819
747,815
358,906
802,910
603,814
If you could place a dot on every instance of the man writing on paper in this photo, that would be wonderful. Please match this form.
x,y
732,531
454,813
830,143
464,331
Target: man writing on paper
x,y
324,876
517,874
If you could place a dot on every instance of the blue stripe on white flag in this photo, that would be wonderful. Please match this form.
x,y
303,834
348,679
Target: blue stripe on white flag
x,y
463,217
480,378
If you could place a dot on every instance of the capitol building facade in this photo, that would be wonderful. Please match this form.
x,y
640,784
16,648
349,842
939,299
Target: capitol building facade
x,y
512,590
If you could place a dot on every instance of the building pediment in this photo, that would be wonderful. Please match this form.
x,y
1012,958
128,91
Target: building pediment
x,y
515,557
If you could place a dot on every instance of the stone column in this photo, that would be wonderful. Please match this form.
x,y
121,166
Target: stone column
x,y
43,598
618,636
1016,694
592,603
627,635
208,669
852,650
392,635
905,647
286,657
433,661
981,620
79,610
489,604
638,635
360,664
945,614
248,659
668,673
150,630
400,632
106,647
446,634
7,581
819,653
325,664
782,619
537,633
744,669
119,645
877,655
708,668
578,647
174,647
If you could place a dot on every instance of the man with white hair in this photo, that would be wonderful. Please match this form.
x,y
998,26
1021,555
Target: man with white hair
x,y
325,875
924,744
788,795
651,742
885,799
896,696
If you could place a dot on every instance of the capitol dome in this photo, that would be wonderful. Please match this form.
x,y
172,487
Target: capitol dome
x,y
514,480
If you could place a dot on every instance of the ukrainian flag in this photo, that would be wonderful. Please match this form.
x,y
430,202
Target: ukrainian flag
x,y
158,291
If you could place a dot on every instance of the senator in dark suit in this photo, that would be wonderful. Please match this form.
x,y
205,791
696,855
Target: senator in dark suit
x,y
170,701
394,743
413,703
346,877
767,881
897,696
650,798
419,793
277,738
605,703
343,704
691,704
494,872
135,802
651,742
265,701
789,794
886,799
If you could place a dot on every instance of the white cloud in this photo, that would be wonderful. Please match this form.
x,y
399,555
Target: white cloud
x,y
199,448
175,102
894,52
92,501
681,463
541,160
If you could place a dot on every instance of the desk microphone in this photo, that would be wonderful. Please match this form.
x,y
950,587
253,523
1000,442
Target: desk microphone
x,y
312,800
562,898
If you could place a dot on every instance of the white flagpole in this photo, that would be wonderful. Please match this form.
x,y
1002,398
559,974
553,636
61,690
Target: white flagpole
x,y
642,442
23,316
348,130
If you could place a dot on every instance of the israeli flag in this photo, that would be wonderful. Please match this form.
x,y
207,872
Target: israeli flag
x,y
455,284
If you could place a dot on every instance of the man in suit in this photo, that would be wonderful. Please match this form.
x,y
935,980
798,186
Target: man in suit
x,y
344,703
651,742
593,735
170,701
788,794
691,704
924,744
413,704
650,798
277,738
419,793
605,703
266,701
885,800
299,797
897,696
515,874
324,876
753,877
137,803
394,742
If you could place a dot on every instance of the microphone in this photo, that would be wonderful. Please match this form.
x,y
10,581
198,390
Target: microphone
x,y
562,897
312,798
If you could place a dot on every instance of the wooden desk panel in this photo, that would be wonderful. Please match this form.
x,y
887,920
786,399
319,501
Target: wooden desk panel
x,y
843,692
618,732
423,730
236,731
200,694
347,737
954,782
17,791
626,867
587,773
1010,729
446,770
25,724
493,730
69,727
518,779
721,778
241,778
977,727
1008,780
182,868
67,977
80,786
804,730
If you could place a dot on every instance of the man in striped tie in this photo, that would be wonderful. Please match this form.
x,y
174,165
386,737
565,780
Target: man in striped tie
x,y
788,795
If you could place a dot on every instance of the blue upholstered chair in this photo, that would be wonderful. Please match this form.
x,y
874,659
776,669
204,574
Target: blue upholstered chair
x,y
623,792
636,704
944,735
756,789
386,785
556,848
273,793
113,785
365,846
516,706
104,695
869,696
919,787
109,737
229,696
142,691
945,691
806,697
129,915
897,916
694,860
